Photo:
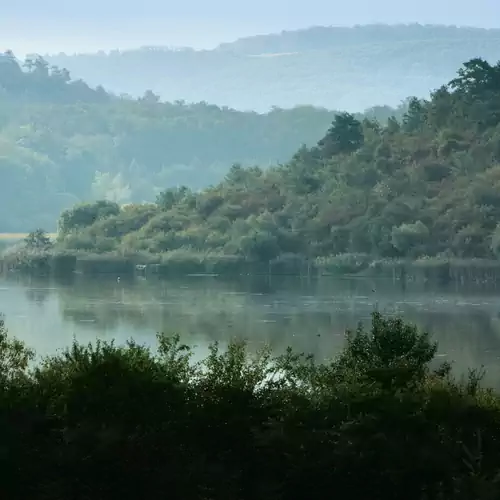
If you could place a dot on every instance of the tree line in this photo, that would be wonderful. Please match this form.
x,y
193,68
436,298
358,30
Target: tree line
x,y
62,142
425,185
344,68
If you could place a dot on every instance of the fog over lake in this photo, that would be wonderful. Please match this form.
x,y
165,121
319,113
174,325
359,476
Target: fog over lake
x,y
311,316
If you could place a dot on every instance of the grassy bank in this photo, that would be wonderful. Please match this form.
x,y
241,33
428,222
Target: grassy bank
x,y
183,262
105,422
435,269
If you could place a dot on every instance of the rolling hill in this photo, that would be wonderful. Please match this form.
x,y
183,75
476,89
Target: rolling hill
x,y
62,141
337,68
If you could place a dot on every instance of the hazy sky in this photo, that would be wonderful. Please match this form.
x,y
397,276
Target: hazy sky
x,y
75,25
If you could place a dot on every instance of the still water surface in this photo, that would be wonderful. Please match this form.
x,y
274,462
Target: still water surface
x,y
310,316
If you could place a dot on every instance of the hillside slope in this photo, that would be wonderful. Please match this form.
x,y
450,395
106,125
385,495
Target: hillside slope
x,y
337,68
62,141
426,186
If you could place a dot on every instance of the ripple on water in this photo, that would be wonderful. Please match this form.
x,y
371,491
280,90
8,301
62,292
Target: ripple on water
x,y
464,324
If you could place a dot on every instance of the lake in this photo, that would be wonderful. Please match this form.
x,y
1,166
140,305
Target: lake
x,y
309,315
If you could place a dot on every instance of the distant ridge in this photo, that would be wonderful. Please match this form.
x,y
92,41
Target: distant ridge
x,y
325,37
333,67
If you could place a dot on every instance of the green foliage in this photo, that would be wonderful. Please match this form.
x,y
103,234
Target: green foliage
x,y
107,421
476,78
85,214
15,357
410,238
393,354
170,197
62,142
344,136
414,118
40,81
425,186
38,240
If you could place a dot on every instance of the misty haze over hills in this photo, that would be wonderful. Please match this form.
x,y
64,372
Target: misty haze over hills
x,y
224,194
58,25
332,67
66,137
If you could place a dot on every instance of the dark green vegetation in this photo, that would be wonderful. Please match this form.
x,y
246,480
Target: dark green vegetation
x,y
62,142
381,421
428,186
339,68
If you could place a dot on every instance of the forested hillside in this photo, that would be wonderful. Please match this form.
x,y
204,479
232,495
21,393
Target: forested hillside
x,y
426,186
62,141
338,68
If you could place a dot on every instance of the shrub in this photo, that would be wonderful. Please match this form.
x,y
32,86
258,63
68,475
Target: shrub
x,y
106,421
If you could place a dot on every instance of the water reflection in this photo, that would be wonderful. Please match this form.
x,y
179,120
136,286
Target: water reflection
x,y
310,315
38,295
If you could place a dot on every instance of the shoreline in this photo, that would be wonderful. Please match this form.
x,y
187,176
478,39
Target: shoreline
x,y
436,269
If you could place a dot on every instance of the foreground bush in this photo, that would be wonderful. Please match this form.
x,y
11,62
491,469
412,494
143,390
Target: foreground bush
x,y
102,421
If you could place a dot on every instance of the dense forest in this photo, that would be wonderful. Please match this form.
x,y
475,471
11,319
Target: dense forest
x,y
337,68
428,185
62,141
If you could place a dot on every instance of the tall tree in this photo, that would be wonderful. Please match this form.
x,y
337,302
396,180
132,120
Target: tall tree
x,y
344,136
